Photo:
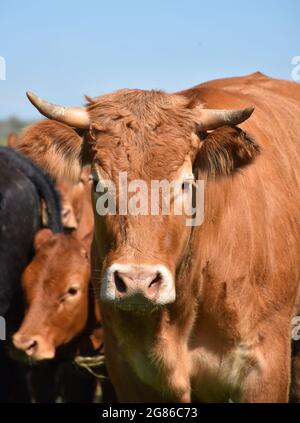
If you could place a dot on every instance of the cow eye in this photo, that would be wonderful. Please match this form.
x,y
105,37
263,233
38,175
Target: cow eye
x,y
185,186
187,183
73,291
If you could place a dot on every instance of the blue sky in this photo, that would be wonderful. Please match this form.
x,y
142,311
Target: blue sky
x,y
64,49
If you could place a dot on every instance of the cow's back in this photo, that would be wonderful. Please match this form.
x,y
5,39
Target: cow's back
x,y
19,219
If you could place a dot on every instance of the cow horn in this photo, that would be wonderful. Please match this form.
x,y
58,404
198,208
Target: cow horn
x,y
214,118
73,116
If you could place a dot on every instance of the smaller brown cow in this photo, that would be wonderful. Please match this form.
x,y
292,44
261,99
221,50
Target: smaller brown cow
x,y
62,320
56,285
57,281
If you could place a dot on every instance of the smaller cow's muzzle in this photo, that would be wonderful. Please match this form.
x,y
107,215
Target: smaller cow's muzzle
x,y
137,286
35,347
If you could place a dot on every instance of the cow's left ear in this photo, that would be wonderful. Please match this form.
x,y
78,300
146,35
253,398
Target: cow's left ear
x,y
225,150
42,236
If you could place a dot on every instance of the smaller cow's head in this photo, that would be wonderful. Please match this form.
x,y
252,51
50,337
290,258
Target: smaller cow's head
x,y
148,136
56,287
72,199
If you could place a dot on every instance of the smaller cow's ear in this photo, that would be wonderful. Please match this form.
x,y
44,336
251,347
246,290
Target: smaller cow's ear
x,y
225,150
42,236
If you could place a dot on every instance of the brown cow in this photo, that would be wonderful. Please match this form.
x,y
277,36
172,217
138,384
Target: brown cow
x,y
56,285
197,313
62,318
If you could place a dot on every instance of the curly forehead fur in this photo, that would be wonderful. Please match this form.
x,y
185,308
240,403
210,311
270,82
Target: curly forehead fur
x,y
137,129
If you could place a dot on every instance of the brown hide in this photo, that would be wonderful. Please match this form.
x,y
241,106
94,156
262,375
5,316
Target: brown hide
x,y
227,335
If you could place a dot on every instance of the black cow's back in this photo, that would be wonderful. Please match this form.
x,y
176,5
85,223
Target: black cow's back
x,y
19,221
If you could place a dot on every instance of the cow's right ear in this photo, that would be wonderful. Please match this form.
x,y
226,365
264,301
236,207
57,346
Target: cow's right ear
x,y
224,151
56,147
42,236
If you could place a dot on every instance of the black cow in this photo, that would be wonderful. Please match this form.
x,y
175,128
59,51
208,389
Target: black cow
x,y
22,186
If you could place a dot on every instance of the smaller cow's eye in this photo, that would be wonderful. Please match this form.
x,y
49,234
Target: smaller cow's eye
x,y
72,291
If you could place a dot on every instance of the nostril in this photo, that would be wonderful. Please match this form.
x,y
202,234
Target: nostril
x,y
120,284
155,284
65,212
33,344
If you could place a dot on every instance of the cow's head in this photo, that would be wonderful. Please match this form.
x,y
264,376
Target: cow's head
x,y
56,287
147,135
72,197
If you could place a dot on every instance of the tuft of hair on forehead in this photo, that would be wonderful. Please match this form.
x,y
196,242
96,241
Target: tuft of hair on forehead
x,y
141,117
143,105
137,131
55,147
